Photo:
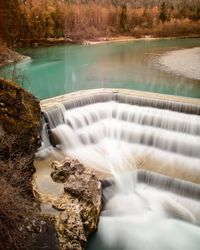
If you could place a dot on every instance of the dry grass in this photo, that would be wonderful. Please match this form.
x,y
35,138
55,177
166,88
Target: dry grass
x,y
16,209
15,167
14,212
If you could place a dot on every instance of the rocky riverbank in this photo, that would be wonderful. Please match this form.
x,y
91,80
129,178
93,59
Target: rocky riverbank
x,y
8,56
75,212
22,224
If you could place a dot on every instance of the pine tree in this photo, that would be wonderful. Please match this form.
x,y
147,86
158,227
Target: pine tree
x,y
123,19
163,12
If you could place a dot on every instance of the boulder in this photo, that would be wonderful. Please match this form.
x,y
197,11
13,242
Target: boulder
x,y
79,206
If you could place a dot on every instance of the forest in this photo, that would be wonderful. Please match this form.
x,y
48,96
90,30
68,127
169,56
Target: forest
x,y
26,21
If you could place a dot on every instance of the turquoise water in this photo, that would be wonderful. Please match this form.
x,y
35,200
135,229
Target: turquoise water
x,y
61,69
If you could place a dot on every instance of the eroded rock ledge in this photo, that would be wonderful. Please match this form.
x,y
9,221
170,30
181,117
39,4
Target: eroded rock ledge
x,y
78,208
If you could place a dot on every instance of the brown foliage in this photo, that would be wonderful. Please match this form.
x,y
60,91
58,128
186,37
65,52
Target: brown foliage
x,y
38,20
175,27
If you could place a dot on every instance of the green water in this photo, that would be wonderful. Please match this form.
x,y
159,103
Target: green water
x,y
61,69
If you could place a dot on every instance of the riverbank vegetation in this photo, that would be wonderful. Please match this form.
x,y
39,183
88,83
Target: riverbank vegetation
x,y
15,207
30,21
21,224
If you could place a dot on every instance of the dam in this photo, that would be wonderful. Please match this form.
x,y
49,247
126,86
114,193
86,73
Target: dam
x,y
147,148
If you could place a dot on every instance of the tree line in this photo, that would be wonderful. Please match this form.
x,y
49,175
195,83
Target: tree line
x,y
24,21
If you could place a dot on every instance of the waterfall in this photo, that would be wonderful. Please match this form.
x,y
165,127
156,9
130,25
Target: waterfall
x,y
146,101
167,138
118,134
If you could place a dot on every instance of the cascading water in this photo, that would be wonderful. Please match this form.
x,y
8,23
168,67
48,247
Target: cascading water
x,y
117,135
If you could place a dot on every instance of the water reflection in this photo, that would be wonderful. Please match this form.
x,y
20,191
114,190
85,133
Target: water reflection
x,y
61,69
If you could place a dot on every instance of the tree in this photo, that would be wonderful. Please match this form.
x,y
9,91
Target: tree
x,y
2,27
58,21
10,21
163,12
123,18
195,12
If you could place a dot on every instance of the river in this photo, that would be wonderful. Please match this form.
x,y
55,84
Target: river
x,y
122,137
142,65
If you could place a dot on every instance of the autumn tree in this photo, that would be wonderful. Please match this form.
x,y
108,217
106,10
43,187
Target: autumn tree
x,y
2,27
58,21
10,10
195,12
33,20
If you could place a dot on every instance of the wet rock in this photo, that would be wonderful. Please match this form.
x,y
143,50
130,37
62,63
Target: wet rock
x,y
63,170
79,206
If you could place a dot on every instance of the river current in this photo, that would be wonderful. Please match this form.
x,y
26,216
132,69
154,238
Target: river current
x,y
151,148
163,66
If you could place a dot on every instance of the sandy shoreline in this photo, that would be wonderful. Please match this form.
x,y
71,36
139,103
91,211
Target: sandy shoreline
x,y
117,39
184,62
103,40
10,56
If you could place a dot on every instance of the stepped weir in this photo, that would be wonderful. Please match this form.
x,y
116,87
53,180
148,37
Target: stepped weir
x,y
149,146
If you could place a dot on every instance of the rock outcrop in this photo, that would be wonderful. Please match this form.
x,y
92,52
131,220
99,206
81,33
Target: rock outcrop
x,y
20,128
20,114
79,206
21,225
